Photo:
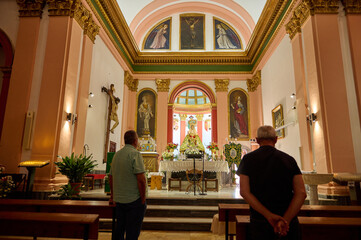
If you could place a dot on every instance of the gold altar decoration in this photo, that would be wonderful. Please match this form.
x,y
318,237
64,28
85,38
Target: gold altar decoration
x,y
322,6
32,8
221,85
150,161
253,83
130,81
192,140
162,84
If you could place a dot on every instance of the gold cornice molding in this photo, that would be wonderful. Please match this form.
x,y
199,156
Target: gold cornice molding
x,y
293,26
162,84
253,83
221,85
322,6
31,8
130,81
352,6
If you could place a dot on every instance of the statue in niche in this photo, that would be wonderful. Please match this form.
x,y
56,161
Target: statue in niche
x,y
113,106
145,113
192,140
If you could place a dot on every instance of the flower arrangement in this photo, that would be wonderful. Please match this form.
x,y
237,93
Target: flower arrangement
x,y
213,146
192,151
167,155
6,185
172,146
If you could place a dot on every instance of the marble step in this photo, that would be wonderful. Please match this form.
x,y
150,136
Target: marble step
x,y
192,201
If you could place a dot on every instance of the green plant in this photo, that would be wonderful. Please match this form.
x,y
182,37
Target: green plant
x,y
76,167
68,192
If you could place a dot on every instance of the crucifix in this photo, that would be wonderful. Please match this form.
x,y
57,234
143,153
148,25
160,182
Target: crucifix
x,y
112,115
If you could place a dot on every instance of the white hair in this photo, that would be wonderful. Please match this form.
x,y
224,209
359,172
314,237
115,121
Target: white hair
x,y
266,132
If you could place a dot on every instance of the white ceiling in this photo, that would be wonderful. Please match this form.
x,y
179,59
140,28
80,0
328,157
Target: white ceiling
x,y
130,8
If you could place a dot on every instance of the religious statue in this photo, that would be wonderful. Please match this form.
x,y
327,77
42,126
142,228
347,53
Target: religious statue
x,y
191,23
192,140
113,106
145,113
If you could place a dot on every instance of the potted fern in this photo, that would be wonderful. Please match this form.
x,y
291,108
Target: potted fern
x,y
75,168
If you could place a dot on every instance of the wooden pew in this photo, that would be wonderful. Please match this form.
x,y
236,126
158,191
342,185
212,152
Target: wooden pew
x,y
102,208
227,212
54,225
315,228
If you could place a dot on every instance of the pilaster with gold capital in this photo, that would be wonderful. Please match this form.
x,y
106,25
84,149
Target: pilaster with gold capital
x,y
199,117
352,6
91,29
162,84
322,6
183,117
293,26
253,83
221,85
31,8
130,81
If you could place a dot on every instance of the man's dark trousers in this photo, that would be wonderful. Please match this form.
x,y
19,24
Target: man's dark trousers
x,y
129,220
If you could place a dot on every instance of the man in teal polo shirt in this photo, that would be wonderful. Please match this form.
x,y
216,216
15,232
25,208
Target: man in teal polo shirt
x,y
128,184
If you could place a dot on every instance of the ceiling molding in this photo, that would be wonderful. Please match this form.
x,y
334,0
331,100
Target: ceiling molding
x,y
114,23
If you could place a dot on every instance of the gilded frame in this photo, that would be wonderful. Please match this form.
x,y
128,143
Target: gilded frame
x,y
278,120
184,35
153,120
169,34
229,26
233,115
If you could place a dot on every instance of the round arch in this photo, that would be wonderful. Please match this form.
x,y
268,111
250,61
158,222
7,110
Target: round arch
x,y
191,85
6,46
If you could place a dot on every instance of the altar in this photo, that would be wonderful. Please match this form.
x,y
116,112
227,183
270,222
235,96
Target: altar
x,y
180,166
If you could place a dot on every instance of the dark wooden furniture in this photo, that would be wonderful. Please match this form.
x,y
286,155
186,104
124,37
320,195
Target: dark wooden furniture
x,y
102,208
172,187
207,187
228,212
54,225
315,228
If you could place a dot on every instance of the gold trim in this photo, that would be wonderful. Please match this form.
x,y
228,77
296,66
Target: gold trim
x,y
293,26
302,12
183,117
91,29
248,113
155,25
228,25
199,117
62,7
322,6
253,83
31,8
352,6
155,110
180,29
130,81
221,85
162,84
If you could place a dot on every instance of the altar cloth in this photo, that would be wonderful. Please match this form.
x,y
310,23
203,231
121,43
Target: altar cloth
x,y
180,166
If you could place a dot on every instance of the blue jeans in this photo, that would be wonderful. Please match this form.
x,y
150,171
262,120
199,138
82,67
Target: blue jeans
x,y
260,229
129,220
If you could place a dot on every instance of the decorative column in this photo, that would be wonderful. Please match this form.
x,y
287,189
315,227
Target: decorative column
x,y
90,32
353,18
255,103
20,83
293,28
200,125
183,118
222,111
58,91
162,119
129,103
333,146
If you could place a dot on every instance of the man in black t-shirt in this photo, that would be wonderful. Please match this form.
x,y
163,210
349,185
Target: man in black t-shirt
x,y
272,184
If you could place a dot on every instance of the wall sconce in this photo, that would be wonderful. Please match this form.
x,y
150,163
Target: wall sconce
x,y
91,94
69,116
90,106
312,118
293,96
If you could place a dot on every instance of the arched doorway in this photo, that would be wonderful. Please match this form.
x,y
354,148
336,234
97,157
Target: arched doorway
x,y
200,86
6,61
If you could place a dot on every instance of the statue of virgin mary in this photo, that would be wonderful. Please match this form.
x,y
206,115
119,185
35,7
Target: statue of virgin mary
x,y
192,140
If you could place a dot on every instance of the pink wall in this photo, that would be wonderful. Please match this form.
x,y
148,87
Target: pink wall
x,y
222,118
19,92
162,121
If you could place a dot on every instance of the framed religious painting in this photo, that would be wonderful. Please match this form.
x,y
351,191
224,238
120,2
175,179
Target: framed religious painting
x,y
238,114
278,120
159,37
225,37
191,31
146,112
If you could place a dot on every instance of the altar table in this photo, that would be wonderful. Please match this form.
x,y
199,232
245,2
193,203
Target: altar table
x,y
180,166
